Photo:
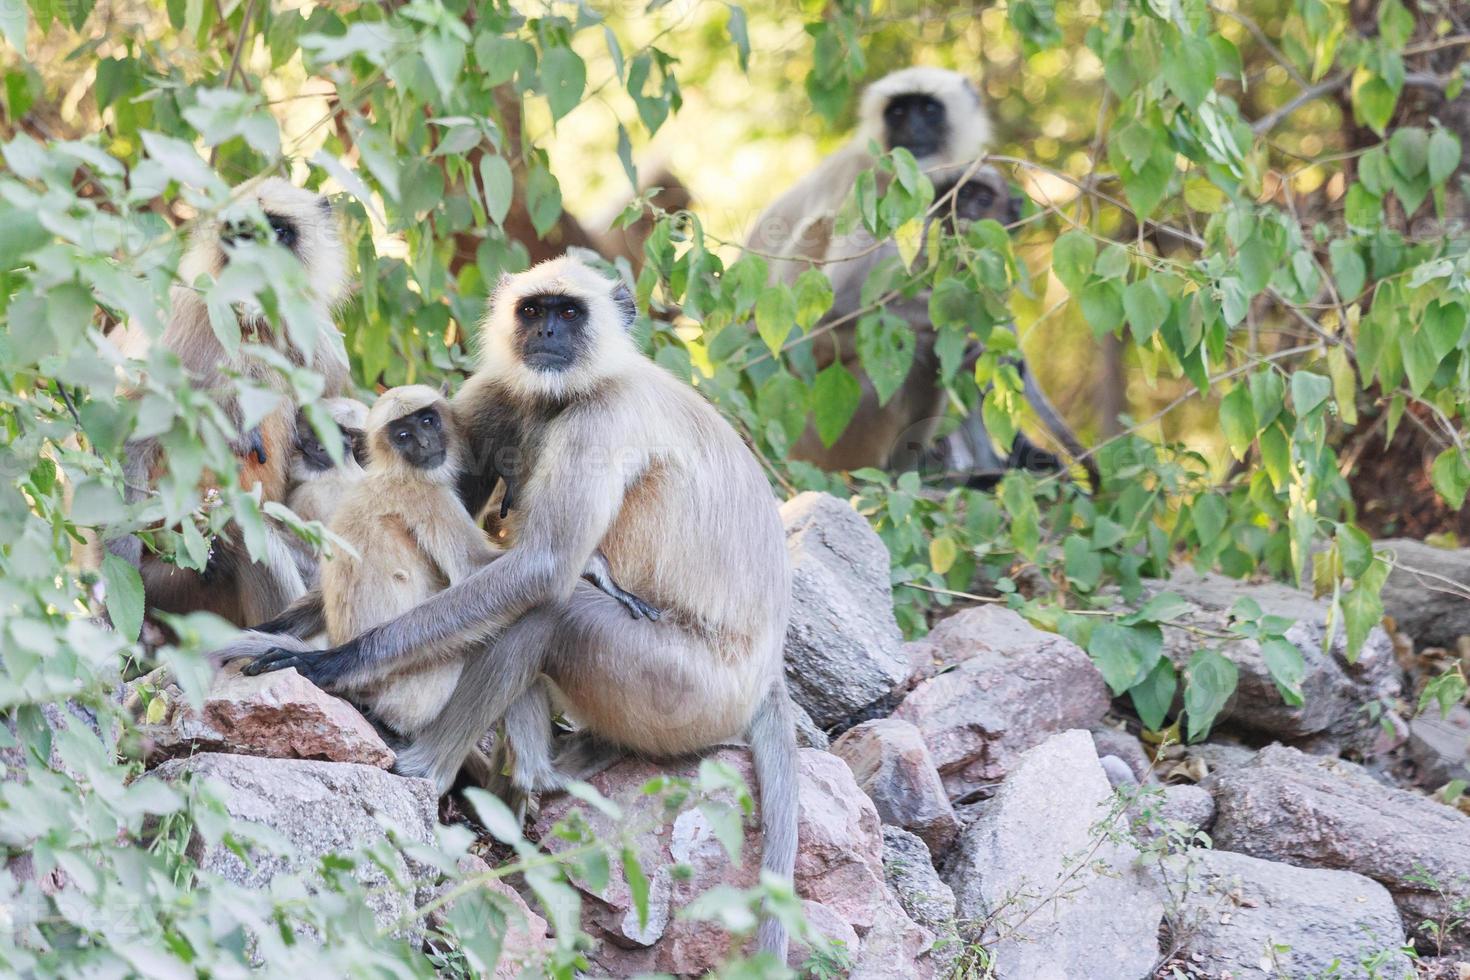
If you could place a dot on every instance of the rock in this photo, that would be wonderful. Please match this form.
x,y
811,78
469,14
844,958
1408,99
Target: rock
x,y
843,647
1219,757
924,896
1444,968
1039,883
1326,813
965,634
839,871
1440,747
891,764
1113,741
1117,771
281,715
1008,693
1239,916
1190,807
1334,691
808,735
1422,605
319,808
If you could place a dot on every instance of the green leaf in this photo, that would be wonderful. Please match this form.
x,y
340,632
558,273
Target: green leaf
x,y
1408,150
1287,668
1072,257
1450,475
1444,326
1309,391
1443,155
14,22
775,315
563,77
1189,69
1362,608
124,596
1125,655
739,35
1238,421
1210,516
1211,680
494,815
543,199
813,297
1154,695
1161,608
835,397
1344,385
1102,306
1374,102
637,885
1267,390
1083,568
1146,305
1395,23
1276,455
499,185
885,343
1349,271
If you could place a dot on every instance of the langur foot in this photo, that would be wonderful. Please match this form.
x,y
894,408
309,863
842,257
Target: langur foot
x,y
252,444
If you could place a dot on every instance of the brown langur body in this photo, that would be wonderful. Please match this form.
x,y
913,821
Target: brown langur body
x,y
933,113
232,585
618,454
412,538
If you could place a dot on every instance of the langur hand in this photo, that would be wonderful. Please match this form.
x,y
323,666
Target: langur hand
x,y
322,667
636,607
252,444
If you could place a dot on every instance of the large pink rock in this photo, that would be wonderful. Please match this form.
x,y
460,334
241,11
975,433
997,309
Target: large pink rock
x,y
1009,687
892,765
281,715
839,872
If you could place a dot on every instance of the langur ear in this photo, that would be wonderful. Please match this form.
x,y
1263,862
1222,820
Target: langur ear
x,y
627,308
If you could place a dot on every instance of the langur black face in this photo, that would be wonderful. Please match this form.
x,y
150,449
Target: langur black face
x,y
917,123
551,331
284,229
981,197
419,438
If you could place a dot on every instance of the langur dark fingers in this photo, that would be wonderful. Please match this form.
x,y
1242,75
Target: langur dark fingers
x,y
276,658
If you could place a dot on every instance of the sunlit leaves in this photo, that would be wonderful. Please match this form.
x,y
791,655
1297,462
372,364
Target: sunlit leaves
x,y
1211,681
885,344
498,186
563,77
1072,257
1450,474
835,397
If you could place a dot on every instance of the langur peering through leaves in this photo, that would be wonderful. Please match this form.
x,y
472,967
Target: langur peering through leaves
x,y
232,585
616,454
319,484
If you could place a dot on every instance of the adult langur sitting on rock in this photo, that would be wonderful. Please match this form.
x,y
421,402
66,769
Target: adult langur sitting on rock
x,y
618,454
933,113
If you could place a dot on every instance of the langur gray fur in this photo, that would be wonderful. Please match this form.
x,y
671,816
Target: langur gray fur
x,y
232,585
619,454
318,484
935,114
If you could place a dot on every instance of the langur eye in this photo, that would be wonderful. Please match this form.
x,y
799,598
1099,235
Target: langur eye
x,y
984,196
401,435
284,229
529,310
431,420
568,312
932,108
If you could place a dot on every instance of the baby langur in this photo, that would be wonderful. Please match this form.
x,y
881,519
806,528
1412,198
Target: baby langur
x,y
934,114
319,485
412,538
232,585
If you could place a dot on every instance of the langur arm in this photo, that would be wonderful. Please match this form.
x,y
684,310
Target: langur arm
x,y
568,514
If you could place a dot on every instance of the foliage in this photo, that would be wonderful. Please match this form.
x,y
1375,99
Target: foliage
x,y
1201,209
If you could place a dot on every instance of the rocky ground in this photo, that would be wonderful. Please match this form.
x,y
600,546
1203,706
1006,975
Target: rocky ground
x,y
974,804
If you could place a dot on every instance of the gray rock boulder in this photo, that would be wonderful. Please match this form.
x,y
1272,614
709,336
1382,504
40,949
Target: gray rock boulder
x,y
1240,916
1002,696
891,764
1440,747
1421,603
1334,691
1038,881
924,896
1326,813
317,808
843,647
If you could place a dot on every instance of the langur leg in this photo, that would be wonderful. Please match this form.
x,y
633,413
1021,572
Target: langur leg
x,y
583,755
495,677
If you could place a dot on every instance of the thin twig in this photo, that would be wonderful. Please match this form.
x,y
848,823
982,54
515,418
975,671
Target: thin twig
x,y
1271,119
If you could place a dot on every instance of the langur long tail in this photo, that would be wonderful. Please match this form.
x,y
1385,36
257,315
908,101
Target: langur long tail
x,y
772,737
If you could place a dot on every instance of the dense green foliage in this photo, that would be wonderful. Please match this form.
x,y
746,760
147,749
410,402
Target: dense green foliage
x,y
1247,260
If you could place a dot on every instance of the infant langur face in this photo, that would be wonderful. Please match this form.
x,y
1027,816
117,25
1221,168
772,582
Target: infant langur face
x,y
419,438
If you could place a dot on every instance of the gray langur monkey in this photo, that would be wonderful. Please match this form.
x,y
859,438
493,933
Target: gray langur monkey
x,y
412,538
933,113
619,454
900,434
233,586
